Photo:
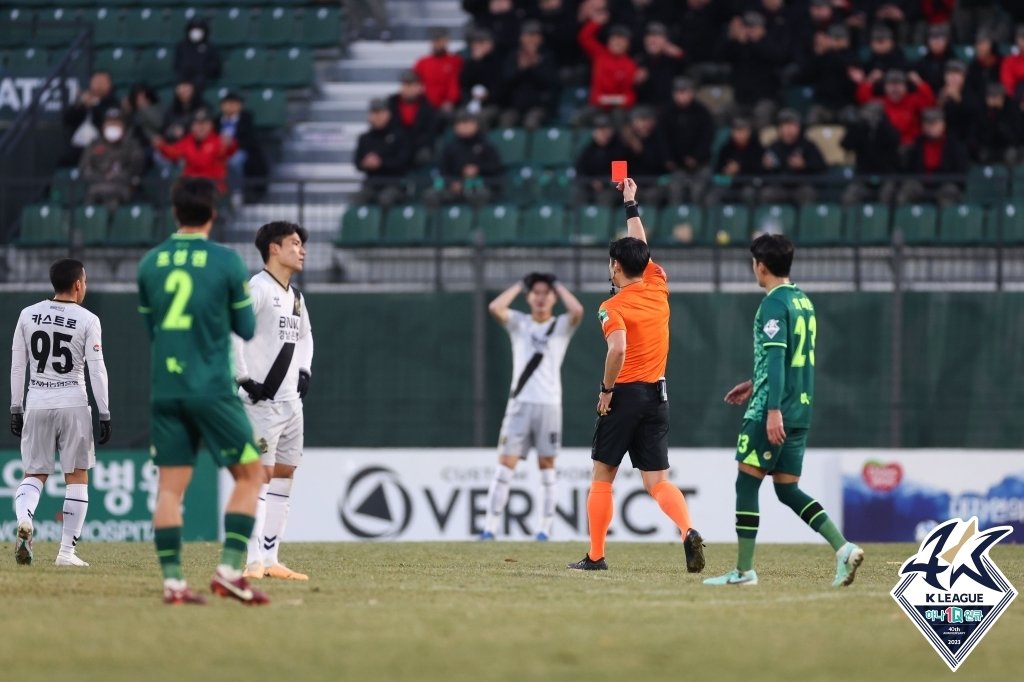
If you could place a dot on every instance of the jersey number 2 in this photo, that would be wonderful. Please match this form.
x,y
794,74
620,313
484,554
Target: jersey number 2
x,y
179,283
802,328
41,348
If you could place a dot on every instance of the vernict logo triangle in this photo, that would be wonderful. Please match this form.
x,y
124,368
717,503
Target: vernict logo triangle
x,y
952,589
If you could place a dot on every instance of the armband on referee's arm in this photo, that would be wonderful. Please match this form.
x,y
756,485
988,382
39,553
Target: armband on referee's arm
x,y
632,209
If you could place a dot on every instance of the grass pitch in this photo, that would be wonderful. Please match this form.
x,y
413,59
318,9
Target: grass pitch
x,y
494,611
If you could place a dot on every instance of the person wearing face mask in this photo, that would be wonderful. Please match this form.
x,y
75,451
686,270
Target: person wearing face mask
x,y
196,59
112,164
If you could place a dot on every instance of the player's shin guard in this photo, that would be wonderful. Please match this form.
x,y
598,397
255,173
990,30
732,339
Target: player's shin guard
x,y
748,518
76,504
168,551
673,504
810,511
26,499
237,531
600,509
549,486
279,501
497,497
255,542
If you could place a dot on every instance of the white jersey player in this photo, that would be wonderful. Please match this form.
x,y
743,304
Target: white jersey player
x,y
273,372
533,417
55,341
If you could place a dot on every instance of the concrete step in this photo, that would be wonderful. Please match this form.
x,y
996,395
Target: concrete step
x,y
335,172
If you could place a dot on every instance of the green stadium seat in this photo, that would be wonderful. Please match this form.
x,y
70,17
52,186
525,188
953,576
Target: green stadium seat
x,y
44,225
118,61
156,66
54,29
551,147
360,226
28,60
580,139
106,26
521,184
554,184
776,218
290,68
499,224
321,27
178,18
544,224
987,185
1006,223
511,145
918,222
729,224
799,97
867,224
683,224
92,223
273,26
247,67
1017,182
593,224
405,225
230,26
269,107
962,224
67,187
821,224
145,26
454,224
133,225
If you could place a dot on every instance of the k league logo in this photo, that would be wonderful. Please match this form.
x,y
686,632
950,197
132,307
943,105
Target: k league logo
x,y
952,590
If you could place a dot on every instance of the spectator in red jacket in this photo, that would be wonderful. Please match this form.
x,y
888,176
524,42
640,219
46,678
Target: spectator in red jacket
x,y
204,152
612,70
938,11
1011,75
902,107
439,72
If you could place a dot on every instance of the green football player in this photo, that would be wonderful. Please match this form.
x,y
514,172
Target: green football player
x,y
774,432
193,293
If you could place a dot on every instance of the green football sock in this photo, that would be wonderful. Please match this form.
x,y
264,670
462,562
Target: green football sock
x,y
832,534
168,551
810,511
747,518
237,529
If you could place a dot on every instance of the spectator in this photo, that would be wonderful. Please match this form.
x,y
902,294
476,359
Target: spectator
x,y
383,154
558,20
986,66
690,130
891,13
412,112
612,70
196,59
742,156
363,13
1011,73
248,162
142,113
938,12
481,80
700,28
934,154
204,152
83,119
808,28
502,20
531,82
638,15
958,109
647,153
470,166
901,106
756,60
439,72
828,74
594,163
112,164
183,107
658,65
792,154
884,55
932,66
998,132
875,144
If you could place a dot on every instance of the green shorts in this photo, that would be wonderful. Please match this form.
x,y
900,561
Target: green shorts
x,y
178,425
753,448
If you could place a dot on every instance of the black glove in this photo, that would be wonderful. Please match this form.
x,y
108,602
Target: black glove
x,y
104,431
254,389
303,383
17,424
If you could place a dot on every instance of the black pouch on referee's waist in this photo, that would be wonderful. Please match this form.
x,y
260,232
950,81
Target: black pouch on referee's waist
x,y
662,390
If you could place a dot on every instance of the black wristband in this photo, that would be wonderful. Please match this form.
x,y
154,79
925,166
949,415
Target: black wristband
x,y
632,209
607,390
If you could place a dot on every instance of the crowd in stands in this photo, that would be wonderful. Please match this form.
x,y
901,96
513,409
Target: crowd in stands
x,y
921,87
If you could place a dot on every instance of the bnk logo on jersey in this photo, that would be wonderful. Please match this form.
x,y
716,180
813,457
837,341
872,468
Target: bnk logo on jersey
x,y
952,590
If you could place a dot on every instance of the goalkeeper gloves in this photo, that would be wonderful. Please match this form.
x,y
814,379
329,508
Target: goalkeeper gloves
x,y
17,424
104,431
303,383
254,389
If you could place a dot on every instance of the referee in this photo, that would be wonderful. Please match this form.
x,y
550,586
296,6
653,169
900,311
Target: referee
x,y
633,404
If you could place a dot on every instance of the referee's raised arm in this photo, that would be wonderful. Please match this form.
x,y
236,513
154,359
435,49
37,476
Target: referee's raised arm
x,y
634,226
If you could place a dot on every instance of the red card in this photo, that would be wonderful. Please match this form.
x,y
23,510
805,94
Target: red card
x,y
619,172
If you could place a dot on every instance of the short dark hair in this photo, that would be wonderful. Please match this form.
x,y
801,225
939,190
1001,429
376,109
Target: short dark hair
x,y
194,201
274,233
632,254
534,277
775,251
64,273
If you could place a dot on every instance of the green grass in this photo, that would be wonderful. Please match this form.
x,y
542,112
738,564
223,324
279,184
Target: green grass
x,y
495,611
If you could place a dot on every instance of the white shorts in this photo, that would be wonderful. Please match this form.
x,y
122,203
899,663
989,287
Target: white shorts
x,y
278,428
64,430
530,425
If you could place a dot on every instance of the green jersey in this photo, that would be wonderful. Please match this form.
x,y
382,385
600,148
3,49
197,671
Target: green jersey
x,y
785,320
193,293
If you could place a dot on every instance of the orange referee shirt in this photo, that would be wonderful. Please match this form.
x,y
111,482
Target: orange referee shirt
x,y
641,309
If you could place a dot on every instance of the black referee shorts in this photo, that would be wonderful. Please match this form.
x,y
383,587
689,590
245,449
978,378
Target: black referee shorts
x,y
637,423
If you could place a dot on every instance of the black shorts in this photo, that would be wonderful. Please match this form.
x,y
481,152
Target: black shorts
x,y
637,423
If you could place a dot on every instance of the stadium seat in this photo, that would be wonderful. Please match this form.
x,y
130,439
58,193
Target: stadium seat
x,y
360,226
106,26
962,224
767,136
269,107
682,224
290,68
799,97
551,147
828,139
499,224
66,187
987,185
521,184
729,224
718,98
543,224
230,26
918,223
1006,223
54,29
247,67
454,225
91,222
554,184
405,225
820,224
593,224
133,226
580,139
43,225
156,65
775,218
164,224
145,26
28,59
274,26
867,224
321,27
511,145
1017,182
118,61
178,18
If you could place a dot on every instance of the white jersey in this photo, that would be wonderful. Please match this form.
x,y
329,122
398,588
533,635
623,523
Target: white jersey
x,y
56,341
282,344
538,382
